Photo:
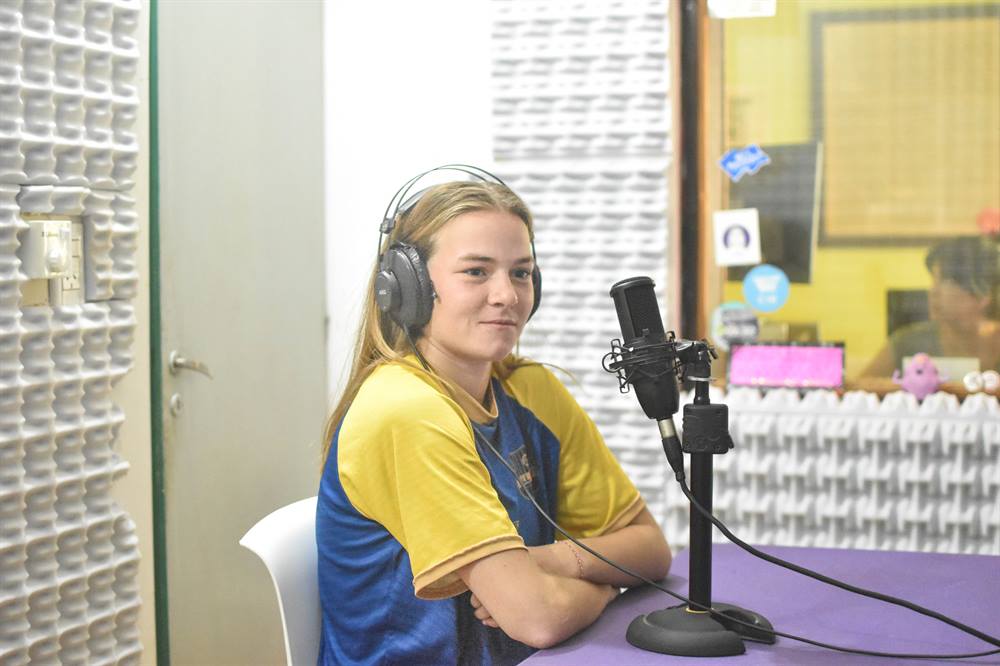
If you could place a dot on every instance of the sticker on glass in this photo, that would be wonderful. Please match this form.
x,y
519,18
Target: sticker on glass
x,y
765,288
733,323
739,162
737,237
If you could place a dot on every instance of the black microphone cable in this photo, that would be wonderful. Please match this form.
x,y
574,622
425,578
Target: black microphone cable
x,y
676,463
625,570
828,580
895,655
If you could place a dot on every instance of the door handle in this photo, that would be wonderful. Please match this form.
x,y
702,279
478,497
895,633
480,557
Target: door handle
x,y
178,363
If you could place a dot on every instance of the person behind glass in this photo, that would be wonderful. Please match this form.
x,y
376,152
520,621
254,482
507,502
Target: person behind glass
x,y
962,309
428,552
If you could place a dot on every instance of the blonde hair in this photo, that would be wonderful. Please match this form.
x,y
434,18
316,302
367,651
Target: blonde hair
x,y
379,339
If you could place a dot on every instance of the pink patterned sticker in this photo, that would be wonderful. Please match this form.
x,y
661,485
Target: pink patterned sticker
x,y
794,366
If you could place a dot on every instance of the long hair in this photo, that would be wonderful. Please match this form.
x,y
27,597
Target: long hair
x,y
379,339
973,263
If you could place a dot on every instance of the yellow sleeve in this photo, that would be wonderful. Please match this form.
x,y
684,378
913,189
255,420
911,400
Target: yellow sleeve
x,y
595,495
407,460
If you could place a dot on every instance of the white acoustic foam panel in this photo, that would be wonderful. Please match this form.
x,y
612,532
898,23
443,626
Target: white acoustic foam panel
x,y
68,553
856,472
582,132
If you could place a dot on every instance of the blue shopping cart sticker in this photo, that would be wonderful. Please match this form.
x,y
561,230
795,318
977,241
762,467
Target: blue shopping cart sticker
x,y
739,162
766,288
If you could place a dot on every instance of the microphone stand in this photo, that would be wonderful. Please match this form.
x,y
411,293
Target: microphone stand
x,y
689,630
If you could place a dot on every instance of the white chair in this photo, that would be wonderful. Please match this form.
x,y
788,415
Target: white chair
x,y
286,541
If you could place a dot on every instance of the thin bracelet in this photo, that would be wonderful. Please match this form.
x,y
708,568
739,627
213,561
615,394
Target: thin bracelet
x,y
576,555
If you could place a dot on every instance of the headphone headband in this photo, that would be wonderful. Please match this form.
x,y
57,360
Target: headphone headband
x,y
396,203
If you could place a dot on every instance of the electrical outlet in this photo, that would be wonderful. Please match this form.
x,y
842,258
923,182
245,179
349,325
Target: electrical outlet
x,y
51,254
72,280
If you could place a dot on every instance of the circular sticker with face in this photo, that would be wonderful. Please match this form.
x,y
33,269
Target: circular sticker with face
x,y
733,323
765,288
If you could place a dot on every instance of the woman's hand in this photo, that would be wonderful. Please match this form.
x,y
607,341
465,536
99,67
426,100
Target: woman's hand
x,y
511,592
482,614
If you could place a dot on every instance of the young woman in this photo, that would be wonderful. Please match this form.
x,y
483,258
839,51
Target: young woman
x,y
429,550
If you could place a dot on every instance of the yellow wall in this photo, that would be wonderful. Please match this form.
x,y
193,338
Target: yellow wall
x,y
768,100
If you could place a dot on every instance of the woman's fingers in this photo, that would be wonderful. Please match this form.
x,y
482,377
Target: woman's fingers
x,y
481,613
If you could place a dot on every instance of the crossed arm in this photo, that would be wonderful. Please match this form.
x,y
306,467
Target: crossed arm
x,y
546,594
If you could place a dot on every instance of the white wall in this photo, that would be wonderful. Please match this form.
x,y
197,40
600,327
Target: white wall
x,y
134,491
407,88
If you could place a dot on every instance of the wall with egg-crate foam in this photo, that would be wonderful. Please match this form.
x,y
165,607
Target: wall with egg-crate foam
x,y
582,131
68,553
858,472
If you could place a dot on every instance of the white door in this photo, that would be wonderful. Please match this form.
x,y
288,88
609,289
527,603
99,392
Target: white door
x,y
242,293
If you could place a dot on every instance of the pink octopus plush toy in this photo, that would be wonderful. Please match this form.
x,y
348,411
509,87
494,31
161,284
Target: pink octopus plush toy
x,y
920,376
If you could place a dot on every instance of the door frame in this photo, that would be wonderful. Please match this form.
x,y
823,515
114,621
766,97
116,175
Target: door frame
x,y
156,356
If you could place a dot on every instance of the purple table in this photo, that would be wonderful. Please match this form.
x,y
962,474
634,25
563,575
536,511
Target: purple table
x,y
964,587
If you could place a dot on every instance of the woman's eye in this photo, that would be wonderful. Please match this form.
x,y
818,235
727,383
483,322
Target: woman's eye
x,y
521,274
475,272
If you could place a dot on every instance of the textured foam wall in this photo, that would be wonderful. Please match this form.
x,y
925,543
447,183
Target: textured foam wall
x,y
856,472
68,553
582,132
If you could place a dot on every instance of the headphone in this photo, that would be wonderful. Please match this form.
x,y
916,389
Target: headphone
x,y
403,287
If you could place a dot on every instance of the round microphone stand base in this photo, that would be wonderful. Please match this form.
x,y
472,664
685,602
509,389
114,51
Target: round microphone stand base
x,y
678,631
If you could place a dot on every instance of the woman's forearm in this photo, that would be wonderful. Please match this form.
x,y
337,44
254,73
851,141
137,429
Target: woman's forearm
x,y
639,547
574,605
530,605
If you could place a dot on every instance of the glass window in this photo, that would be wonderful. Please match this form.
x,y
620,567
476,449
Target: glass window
x,y
856,144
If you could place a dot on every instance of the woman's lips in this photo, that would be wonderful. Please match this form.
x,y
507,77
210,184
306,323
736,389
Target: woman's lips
x,y
500,322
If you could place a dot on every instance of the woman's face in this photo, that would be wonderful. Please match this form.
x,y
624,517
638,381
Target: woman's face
x,y
950,304
481,269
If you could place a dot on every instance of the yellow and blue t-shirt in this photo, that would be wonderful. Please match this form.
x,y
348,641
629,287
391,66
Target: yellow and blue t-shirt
x,y
408,497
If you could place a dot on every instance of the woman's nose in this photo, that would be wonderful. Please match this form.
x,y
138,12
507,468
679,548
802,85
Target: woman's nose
x,y
503,291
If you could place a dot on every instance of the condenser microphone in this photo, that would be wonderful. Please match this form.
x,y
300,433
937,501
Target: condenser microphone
x,y
646,360
647,356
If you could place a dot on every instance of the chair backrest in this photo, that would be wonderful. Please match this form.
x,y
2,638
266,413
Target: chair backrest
x,y
286,541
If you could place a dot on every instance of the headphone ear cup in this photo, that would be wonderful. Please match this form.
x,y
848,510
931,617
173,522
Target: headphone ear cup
x,y
536,285
423,301
386,289
403,287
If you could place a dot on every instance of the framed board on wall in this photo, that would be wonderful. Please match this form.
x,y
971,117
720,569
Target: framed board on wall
x,y
907,105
